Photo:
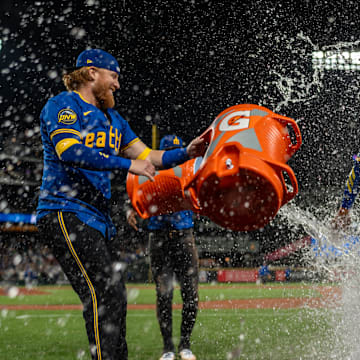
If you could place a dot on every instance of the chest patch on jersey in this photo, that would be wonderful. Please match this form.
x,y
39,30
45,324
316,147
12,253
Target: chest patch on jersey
x,y
67,116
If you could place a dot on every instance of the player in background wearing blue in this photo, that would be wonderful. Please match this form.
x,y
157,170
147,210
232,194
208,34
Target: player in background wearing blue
x,y
85,143
342,219
173,252
264,273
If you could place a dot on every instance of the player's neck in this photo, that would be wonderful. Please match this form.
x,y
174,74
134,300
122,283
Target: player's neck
x,y
87,95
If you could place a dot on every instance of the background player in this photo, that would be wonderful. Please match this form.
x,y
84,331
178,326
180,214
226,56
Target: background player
x,y
342,219
83,137
173,252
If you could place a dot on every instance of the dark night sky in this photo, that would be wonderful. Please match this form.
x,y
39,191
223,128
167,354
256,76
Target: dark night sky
x,y
184,62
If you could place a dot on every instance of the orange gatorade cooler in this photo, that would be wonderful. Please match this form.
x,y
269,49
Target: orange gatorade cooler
x,y
240,183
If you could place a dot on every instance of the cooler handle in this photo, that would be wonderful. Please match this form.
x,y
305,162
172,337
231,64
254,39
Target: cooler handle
x,y
285,120
288,195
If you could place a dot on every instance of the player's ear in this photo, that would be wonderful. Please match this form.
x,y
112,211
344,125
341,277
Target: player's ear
x,y
92,73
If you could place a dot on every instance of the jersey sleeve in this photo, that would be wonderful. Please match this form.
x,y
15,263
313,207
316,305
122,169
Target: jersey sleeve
x,y
62,123
129,138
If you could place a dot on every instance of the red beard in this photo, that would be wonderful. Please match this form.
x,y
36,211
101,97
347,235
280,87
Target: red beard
x,y
104,98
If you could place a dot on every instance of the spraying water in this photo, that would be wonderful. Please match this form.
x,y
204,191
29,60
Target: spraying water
x,y
333,253
296,86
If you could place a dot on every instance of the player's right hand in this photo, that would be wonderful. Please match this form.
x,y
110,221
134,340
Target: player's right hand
x,y
197,147
342,219
142,167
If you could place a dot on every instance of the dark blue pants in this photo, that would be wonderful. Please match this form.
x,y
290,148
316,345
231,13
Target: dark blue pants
x,y
89,263
173,252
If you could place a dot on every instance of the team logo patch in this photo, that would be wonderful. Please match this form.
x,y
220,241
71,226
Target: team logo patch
x,y
67,116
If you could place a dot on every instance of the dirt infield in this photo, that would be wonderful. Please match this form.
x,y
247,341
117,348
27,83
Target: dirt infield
x,y
22,291
330,298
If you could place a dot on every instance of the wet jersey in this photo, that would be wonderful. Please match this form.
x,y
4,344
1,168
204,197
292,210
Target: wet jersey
x,y
352,185
68,119
177,221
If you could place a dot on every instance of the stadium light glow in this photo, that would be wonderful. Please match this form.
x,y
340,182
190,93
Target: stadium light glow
x,y
336,60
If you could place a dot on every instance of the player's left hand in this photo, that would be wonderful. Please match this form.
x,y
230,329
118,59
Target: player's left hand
x,y
197,147
131,218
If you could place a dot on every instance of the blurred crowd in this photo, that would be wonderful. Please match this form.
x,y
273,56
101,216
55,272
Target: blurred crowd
x,y
29,265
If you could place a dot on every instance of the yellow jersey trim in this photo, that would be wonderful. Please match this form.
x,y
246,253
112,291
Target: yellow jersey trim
x,y
144,154
131,143
65,131
351,180
88,281
81,97
353,174
64,144
349,186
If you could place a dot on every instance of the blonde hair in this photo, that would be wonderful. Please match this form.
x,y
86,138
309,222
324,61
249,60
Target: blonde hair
x,y
76,78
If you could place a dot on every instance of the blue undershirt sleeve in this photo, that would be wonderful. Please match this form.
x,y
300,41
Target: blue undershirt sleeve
x,y
174,157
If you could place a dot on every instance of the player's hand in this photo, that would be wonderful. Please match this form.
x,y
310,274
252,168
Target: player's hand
x,y
131,218
197,147
142,167
342,219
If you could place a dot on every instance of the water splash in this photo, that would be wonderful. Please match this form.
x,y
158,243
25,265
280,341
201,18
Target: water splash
x,y
299,85
335,255
340,46
296,85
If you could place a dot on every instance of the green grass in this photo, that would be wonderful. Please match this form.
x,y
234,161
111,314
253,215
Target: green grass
x,y
54,296
246,334
145,294
43,335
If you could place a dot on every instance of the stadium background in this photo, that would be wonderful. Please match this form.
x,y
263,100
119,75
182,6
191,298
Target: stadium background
x,y
182,63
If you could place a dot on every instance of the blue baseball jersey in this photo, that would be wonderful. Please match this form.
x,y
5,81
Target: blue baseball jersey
x,y
352,185
178,221
66,187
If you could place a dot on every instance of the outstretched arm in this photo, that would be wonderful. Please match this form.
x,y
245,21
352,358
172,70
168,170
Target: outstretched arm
x,y
71,151
167,159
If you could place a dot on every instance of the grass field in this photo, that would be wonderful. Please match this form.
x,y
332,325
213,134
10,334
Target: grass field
x,y
219,334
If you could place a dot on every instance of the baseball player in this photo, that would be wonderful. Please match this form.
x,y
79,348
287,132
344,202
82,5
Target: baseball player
x,y
173,252
85,143
342,219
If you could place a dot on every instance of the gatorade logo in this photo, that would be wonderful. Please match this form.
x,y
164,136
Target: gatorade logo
x,y
67,116
235,121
